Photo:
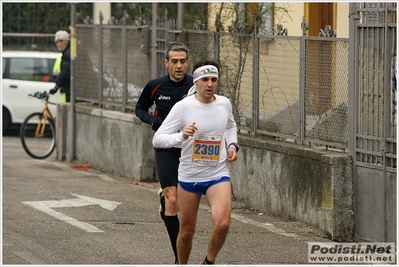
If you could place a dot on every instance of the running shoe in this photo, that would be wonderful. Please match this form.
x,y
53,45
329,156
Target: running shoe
x,y
203,262
162,201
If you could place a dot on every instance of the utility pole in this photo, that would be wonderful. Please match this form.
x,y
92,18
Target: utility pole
x,y
71,120
154,46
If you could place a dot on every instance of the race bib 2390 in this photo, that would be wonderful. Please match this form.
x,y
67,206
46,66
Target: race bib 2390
x,y
207,148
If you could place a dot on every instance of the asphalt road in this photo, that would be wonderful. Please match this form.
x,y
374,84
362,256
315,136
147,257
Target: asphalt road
x,y
56,214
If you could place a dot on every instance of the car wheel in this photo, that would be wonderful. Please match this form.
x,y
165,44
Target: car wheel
x,y
6,118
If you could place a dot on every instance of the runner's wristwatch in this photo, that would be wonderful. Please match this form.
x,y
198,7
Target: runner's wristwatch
x,y
235,145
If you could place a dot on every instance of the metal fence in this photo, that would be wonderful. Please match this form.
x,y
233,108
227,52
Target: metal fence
x,y
29,41
281,86
111,69
376,98
373,137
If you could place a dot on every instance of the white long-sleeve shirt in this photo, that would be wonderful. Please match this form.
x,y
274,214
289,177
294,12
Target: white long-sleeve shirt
x,y
204,156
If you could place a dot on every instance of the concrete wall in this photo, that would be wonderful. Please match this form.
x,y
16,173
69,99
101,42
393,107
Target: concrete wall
x,y
295,182
307,184
110,141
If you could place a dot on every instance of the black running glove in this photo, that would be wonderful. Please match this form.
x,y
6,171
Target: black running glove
x,y
155,123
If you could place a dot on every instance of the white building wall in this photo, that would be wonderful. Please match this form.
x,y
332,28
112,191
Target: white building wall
x,y
105,8
296,11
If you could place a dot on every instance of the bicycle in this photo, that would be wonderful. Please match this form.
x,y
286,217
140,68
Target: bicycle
x,y
37,132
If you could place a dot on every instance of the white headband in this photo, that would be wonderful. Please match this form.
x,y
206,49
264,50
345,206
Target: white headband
x,y
204,71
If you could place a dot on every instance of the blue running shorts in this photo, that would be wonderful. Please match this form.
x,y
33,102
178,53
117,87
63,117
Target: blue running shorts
x,y
201,187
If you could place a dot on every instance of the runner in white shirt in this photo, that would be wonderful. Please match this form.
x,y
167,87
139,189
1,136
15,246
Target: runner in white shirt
x,y
208,127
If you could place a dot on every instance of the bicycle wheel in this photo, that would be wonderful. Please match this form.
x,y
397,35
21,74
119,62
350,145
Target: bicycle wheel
x,y
38,146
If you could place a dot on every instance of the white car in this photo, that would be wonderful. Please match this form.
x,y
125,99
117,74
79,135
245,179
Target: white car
x,y
24,73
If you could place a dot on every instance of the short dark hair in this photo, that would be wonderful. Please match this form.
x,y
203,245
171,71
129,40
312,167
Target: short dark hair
x,y
205,62
176,46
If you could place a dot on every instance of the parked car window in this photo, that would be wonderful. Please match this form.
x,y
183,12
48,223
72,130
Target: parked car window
x,y
29,69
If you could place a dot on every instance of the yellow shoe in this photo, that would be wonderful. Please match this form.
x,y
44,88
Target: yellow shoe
x,y
162,203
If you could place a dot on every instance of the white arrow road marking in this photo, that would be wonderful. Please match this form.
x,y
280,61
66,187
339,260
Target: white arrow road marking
x,y
105,204
46,207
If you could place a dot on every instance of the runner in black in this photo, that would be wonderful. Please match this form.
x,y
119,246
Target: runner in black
x,y
165,92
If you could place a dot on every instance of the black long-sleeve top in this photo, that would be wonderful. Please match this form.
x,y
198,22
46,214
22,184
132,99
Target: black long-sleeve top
x,y
164,92
64,78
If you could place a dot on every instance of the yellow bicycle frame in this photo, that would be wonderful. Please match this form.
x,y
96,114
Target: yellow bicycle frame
x,y
41,126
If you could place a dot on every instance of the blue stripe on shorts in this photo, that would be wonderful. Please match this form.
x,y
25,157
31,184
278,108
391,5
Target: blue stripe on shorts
x,y
201,187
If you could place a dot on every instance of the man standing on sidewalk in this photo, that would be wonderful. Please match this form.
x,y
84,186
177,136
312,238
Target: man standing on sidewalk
x,y
63,80
165,92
